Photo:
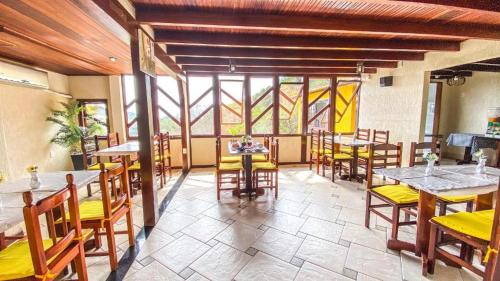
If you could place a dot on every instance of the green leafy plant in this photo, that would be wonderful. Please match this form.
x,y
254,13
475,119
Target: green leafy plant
x,y
236,130
70,133
431,157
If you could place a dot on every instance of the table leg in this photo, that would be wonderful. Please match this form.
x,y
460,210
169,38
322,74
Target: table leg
x,y
355,162
426,210
467,156
248,174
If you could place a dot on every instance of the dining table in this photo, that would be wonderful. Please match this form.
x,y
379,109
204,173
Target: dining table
x,y
247,154
11,198
355,144
444,180
127,150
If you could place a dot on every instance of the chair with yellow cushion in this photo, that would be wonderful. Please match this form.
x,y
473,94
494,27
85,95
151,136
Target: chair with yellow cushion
x,y
36,258
89,146
101,215
378,137
226,173
333,157
134,169
395,196
267,172
315,149
263,157
472,229
417,152
165,155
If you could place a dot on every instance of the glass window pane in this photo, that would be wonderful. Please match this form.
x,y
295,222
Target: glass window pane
x,y
198,85
96,113
169,85
132,130
317,88
204,126
129,88
290,111
168,125
259,87
231,107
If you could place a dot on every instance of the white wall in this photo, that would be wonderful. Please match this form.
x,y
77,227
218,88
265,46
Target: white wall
x,y
400,108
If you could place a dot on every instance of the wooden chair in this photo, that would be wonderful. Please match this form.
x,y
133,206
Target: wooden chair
x,y
333,157
263,157
226,172
396,196
36,258
363,134
89,146
267,171
134,169
417,152
472,229
102,214
315,151
165,155
379,137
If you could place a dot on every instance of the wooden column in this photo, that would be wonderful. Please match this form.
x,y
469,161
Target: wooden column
x,y
247,101
276,105
154,102
332,113
216,104
145,135
305,119
184,125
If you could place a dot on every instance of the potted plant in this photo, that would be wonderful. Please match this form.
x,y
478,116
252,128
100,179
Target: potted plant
x,y
70,133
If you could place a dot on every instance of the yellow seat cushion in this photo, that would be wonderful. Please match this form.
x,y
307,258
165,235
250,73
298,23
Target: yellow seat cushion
x,y
15,260
365,154
230,166
476,224
135,167
259,157
230,159
400,194
342,156
346,149
90,210
107,165
458,199
263,166
315,150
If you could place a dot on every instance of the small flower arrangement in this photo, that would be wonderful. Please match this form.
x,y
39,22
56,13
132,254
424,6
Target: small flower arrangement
x,y
430,157
480,155
32,169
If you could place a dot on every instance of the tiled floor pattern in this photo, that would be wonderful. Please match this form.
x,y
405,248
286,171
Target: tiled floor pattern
x,y
314,231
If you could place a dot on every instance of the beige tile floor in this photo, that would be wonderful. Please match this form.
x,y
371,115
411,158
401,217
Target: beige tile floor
x,y
314,231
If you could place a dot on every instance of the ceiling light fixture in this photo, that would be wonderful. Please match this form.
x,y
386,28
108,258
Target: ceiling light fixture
x,y
113,59
232,67
456,80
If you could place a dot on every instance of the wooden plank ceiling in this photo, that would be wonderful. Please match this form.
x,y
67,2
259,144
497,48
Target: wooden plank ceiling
x,y
78,37
313,36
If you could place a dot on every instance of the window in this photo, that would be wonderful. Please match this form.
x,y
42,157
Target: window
x,y
346,105
290,94
201,105
130,105
319,103
231,105
169,111
261,92
95,112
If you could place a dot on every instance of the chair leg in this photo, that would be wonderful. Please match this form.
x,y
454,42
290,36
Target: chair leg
x,y
218,186
130,228
276,186
470,206
110,233
323,167
89,190
431,256
395,223
97,239
238,185
333,172
80,264
368,206
310,161
442,208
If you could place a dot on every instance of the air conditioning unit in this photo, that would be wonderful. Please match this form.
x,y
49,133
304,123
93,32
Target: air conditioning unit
x,y
14,74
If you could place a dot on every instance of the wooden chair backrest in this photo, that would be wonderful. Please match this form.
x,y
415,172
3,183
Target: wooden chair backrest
x,y
267,141
89,145
64,247
328,143
380,136
417,151
315,138
165,148
274,152
118,197
363,134
113,139
382,156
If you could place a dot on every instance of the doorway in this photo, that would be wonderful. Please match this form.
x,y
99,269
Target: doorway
x,y
433,112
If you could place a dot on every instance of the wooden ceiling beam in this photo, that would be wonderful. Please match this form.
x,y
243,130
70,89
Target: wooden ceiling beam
x,y
478,67
270,74
167,16
490,6
166,59
296,42
301,70
227,52
449,72
278,62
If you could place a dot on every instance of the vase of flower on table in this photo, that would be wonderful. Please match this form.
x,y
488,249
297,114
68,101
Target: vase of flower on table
x,y
431,159
481,162
34,180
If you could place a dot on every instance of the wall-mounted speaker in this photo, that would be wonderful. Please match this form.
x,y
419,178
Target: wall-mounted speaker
x,y
386,81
